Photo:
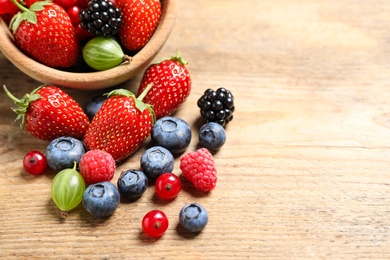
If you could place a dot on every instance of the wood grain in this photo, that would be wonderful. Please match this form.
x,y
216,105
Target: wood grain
x,y
304,173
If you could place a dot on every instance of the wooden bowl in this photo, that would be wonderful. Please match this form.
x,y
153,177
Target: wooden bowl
x,y
91,80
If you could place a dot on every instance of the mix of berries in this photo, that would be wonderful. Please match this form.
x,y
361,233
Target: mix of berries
x,y
86,143
54,32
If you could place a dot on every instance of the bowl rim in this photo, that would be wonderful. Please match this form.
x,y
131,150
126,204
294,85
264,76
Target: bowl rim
x,y
97,79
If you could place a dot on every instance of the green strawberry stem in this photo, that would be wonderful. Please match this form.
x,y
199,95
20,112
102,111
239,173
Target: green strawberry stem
x,y
175,57
22,103
141,106
145,92
21,7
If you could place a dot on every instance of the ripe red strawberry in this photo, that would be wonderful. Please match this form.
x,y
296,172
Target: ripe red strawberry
x,y
48,112
139,21
171,85
198,167
121,125
45,33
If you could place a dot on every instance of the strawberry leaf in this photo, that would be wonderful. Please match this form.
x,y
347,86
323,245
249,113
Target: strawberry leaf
x,y
28,15
175,57
39,5
120,92
22,103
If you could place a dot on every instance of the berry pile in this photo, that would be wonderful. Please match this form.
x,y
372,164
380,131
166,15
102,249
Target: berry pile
x,y
84,150
129,23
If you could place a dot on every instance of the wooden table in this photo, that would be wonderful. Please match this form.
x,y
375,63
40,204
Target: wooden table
x,y
305,169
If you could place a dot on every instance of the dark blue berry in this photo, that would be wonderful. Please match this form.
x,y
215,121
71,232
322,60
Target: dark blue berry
x,y
212,136
172,133
63,151
156,161
101,199
132,184
93,105
193,217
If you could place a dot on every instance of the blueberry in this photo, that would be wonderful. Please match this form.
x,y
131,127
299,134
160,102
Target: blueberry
x,y
101,199
156,161
63,151
172,133
193,217
212,136
93,105
132,184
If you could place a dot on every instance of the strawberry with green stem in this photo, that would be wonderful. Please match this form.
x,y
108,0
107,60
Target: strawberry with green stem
x,y
171,85
121,125
48,112
46,34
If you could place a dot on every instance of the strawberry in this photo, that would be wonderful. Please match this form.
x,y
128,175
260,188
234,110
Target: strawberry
x,y
139,21
121,125
171,85
45,33
48,112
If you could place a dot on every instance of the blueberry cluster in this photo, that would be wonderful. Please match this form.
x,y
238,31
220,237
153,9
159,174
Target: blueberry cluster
x,y
217,106
101,18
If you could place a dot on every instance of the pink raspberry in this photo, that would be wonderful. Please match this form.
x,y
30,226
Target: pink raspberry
x,y
97,166
198,167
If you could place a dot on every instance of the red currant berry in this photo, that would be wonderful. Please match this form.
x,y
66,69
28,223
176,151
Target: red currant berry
x,y
155,223
65,3
30,2
7,7
82,3
81,34
168,185
34,162
73,13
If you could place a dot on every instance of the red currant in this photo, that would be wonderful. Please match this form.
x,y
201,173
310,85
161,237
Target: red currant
x,y
7,7
82,3
30,2
81,34
155,223
168,185
34,162
65,3
73,13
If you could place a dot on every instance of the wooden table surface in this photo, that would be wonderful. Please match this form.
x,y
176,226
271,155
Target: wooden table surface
x,y
305,169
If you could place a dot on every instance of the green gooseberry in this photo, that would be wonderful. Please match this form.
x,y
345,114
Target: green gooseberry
x,y
67,189
103,53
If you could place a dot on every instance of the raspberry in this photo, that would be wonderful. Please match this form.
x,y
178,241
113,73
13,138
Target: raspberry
x,y
198,167
97,166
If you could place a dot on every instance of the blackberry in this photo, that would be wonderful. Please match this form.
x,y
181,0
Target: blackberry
x,y
101,18
217,106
